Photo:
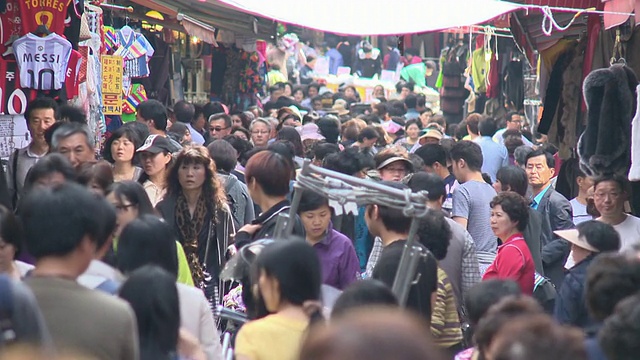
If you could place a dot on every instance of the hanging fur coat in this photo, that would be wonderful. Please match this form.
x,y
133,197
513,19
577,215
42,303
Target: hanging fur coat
x,y
604,146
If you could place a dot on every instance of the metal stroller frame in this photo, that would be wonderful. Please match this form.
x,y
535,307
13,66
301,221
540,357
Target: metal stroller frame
x,y
343,191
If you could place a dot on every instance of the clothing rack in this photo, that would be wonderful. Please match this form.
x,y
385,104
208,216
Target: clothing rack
x,y
113,6
344,191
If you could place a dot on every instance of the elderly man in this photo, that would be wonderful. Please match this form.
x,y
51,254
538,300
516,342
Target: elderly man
x,y
75,142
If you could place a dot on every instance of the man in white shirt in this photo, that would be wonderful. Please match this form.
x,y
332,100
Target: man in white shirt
x,y
40,115
579,203
514,122
610,194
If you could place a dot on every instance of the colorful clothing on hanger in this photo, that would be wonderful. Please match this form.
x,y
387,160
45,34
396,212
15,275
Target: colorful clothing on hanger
x,y
42,60
50,13
110,38
136,51
480,65
136,95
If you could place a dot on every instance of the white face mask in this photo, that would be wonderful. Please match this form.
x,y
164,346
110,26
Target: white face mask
x,y
570,261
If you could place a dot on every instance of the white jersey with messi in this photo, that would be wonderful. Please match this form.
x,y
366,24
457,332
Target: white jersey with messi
x,y
42,60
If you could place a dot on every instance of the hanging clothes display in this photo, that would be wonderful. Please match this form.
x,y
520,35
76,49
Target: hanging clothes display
x,y
52,14
14,99
604,146
480,65
137,94
11,26
136,51
72,74
73,22
42,60
156,86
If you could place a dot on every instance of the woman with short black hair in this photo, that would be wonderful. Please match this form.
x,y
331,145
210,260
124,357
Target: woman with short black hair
x,y
509,217
120,151
288,278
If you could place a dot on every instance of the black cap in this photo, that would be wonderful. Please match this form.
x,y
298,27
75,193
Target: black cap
x,y
156,144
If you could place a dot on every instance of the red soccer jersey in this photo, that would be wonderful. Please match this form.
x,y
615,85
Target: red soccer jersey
x,y
71,76
514,262
51,13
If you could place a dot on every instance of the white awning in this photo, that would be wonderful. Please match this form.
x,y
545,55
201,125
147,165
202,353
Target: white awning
x,y
366,17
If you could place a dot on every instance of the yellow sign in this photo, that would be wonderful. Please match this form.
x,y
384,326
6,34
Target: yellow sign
x,y
112,85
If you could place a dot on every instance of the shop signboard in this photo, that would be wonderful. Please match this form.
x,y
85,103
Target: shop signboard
x,y
112,70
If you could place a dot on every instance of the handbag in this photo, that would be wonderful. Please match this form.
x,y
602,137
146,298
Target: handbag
x,y
85,33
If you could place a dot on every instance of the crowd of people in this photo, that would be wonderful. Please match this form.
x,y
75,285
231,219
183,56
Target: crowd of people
x,y
126,254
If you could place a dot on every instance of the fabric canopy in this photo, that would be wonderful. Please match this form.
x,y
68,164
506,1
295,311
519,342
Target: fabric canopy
x,y
367,17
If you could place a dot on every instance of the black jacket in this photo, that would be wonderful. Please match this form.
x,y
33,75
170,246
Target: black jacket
x,y
556,215
532,236
570,307
268,220
221,230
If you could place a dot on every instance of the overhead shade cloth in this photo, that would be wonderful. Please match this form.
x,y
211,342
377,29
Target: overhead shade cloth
x,y
198,29
369,17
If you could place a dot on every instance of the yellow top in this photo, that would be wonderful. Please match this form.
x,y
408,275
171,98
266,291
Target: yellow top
x,y
274,337
184,273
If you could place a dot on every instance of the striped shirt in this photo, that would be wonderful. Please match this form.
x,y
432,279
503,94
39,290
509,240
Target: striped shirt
x,y
445,321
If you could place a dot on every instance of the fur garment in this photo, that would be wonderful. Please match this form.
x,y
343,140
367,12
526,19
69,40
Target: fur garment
x,y
634,172
604,146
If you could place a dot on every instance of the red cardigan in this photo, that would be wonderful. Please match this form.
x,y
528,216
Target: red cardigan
x,y
514,262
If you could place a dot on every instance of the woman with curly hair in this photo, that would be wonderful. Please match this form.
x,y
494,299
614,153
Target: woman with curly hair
x,y
509,218
196,207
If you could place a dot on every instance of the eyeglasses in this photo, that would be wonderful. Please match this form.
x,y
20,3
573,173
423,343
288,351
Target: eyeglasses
x,y
257,132
123,207
218,129
602,195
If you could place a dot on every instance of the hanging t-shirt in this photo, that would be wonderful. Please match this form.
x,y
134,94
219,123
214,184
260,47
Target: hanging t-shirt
x,y
42,60
51,13
10,24
71,75
479,68
14,99
136,51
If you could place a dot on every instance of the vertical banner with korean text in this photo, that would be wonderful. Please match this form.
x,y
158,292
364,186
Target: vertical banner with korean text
x,y
112,85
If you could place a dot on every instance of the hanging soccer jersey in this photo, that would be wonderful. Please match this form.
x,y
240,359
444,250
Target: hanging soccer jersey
x,y
72,74
43,61
51,13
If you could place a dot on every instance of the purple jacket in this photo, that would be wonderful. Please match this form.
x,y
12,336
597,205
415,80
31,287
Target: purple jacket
x,y
340,265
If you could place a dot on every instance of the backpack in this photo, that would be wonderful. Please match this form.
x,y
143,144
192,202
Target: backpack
x,y
544,292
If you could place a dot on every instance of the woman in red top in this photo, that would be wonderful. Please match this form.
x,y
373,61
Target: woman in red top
x,y
509,217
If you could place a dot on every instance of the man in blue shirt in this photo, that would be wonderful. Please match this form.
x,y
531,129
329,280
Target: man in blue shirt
x,y
494,155
555,210
335,58
410,104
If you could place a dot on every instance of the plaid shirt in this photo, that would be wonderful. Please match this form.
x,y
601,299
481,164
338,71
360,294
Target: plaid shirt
x,y
470,266
373,258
